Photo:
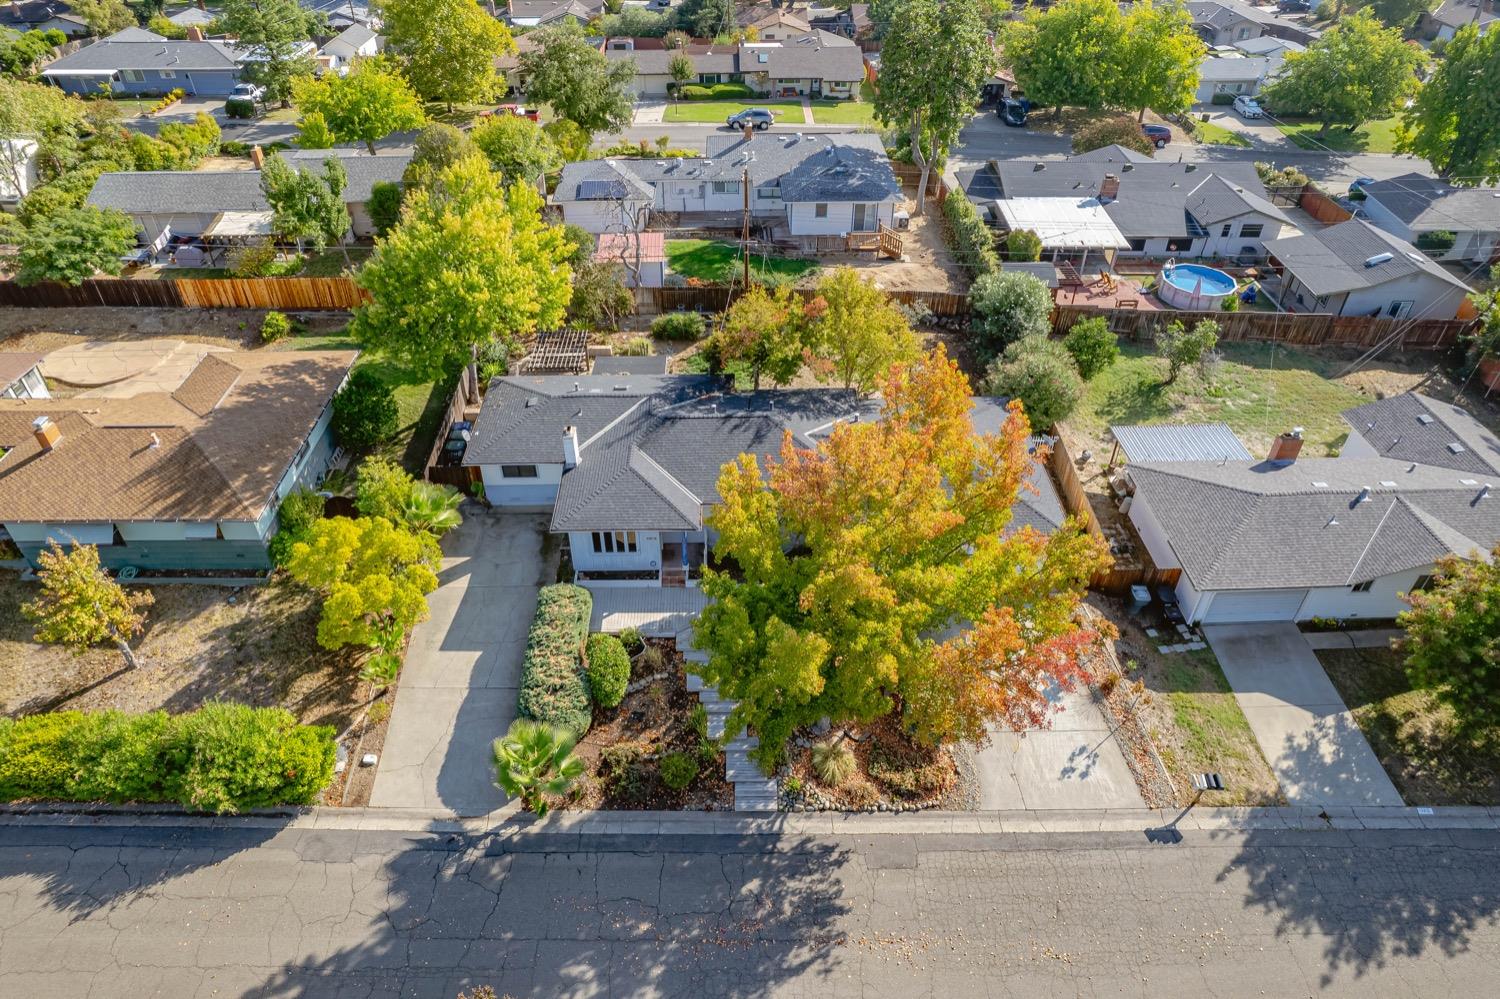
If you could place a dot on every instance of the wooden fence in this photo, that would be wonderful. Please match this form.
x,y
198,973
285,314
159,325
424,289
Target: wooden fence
x,y
1321,207
294,294
458,476
1294,330
717,298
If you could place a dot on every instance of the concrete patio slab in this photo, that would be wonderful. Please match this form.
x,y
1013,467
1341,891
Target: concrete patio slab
x,y
656,611
119,370
458,688
1303,727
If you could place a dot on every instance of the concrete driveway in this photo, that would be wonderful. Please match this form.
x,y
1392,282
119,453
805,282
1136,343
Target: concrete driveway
x,y
1306,733
458,689
1074,764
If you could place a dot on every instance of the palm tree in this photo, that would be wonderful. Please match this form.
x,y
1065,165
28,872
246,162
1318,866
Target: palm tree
x,y
433,507
534,760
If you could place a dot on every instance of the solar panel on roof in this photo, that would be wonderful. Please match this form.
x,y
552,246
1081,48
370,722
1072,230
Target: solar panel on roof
x,y
600,190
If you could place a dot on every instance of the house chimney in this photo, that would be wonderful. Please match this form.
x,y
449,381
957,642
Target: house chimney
x,y
46,432
257,156
194,33
570,448
749,132
1109,188
1286,447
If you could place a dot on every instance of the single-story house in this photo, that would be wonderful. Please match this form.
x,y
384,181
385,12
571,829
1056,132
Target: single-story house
x,y
1454,14
355,42
1355,269
17,169
21,377
536,13
1414,205
642,256
805,184
778,24
187,202
1225,22
42,15
1290,538
1162,209
184,480
1274,50
1230,75
711,63
819,64
136,61
627,465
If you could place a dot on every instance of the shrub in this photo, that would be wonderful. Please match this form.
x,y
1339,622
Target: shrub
x,y
381,670
631,639
636,346
608,669
275,326
833,762
627,776
533,761
552,684
254,260
1285,177
911,774
222,757
1222,99
972,241
698,722
651,660
714,92
1041,373
1023,245
299,511
1182,346
678,326
364,411
233,147
678,770
1010,306
1121,131
1230,304
239,107
384,206
1092,345
1437,241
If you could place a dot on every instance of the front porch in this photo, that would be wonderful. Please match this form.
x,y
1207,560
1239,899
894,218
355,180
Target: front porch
x,y
657,612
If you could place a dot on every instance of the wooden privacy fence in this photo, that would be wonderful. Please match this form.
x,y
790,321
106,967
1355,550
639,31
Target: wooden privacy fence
x,y
293,294
1321,207
717,298
1288,329
458,476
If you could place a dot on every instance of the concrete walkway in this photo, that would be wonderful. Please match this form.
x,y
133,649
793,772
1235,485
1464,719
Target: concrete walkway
x,y
1075,764
807,112
458,688
1306,733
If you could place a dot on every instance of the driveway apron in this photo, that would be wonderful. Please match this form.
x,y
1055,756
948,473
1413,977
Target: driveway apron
x,y
458,687
1303,727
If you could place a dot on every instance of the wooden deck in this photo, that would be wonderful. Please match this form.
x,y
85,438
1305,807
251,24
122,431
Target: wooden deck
x,y
658,612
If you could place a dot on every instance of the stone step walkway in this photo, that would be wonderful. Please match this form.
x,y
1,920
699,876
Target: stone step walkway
x,y
753,790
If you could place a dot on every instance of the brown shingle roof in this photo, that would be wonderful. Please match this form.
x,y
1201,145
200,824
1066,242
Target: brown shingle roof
x,y
207,461
13,366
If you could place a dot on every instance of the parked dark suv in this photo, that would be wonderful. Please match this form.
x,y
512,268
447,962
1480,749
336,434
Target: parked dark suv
x,y
758,118
1159,135
1012,112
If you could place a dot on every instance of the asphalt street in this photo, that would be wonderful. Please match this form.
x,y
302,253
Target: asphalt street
x,y
190,912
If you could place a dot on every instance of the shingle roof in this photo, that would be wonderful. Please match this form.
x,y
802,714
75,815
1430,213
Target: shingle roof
x,y
1216,200
619,364
1221,13
655,61
1457,13
112,53
1222,68
355,35
1333,260
1429,204
818,55
13,365
1414,427
22,15
208,461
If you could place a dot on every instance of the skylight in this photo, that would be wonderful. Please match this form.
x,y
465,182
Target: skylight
x,y
1424,418
1455,447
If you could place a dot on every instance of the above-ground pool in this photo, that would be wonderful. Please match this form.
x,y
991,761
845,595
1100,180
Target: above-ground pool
x,y
1194,287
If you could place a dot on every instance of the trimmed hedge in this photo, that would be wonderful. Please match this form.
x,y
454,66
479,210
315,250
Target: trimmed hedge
x,y
220,758
553,689
714,92
973,243
1222,99
608,669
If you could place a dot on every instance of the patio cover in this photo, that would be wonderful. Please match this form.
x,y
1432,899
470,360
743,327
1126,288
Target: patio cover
x,y
1064,223
231,226
1190,442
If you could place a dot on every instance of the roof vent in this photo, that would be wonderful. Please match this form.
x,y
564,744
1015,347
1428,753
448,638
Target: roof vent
x,y
1332,522
1424,419
1038,168
530,401
1387,483
1468,482
1454,447
1364,495
1378,259
1189,168
621,388
155,440
1321,485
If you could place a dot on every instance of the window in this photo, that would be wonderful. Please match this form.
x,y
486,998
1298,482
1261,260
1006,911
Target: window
x,y
1252,230
1399,310
1137,245
518,471
1225,231
820,210
1362,587
726,187
1422,583
132,76
614,542
709,78
168,74
768,192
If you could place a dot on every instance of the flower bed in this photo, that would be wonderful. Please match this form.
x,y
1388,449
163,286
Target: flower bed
x,y
892,774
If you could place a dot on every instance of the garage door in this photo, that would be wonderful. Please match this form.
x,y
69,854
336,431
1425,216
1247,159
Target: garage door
x,y
1254,605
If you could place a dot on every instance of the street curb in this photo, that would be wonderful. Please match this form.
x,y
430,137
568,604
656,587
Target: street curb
x,y
511,822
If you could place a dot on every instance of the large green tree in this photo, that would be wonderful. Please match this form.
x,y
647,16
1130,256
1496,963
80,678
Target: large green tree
x,y
471,263
447,48
933,62
1067,55
705,18
569,72
1357,71
307,206
876,573
370,103
41,114
437,147
517,147
276,32
1455,122
764,331
1453,639
71,245
1398,13
856,332
104,17
1156,63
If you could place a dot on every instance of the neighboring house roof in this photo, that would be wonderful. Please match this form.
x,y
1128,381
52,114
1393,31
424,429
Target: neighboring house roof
x,y
649,247
781,19
1457,13
1415,427
14,365
1153,197
126,50
1227,69
1429,204
1249,525
355,36
1341,258
1189,442
1220,14
214,449
536,12
190,16
1269,46
152,192
21,16
837,166
817,55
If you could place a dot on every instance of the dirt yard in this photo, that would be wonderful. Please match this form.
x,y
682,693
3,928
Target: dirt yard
x,y
42,330
927,263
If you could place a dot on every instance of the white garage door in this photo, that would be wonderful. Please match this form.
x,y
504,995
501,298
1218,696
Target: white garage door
x,y
1254,605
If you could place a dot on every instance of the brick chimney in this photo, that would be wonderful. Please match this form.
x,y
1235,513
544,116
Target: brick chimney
x,y
257,156
1109,188
46,432
749,132
194,33
570,447
1286,447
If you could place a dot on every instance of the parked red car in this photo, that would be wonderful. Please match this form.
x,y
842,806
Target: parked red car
x,y
515,109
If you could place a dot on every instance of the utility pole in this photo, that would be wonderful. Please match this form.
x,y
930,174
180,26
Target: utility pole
x,y
745,233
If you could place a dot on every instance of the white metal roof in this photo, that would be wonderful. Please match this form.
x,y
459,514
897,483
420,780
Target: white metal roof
x,y
1180,442
1064,223
228,224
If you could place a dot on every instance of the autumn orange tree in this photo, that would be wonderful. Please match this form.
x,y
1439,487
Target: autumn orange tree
x,y
876,573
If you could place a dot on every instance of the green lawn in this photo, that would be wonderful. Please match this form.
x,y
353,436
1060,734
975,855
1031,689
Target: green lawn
x,y
1371,137
1217,135
1258,390
787,112
843,113
711,260
1212,733
1412,733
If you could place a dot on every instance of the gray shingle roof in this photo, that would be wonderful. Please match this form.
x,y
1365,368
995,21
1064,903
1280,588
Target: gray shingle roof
x,y
1332,260
651,364
158,53
1113,153
818,55
1414,427
1222,69
1429,204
